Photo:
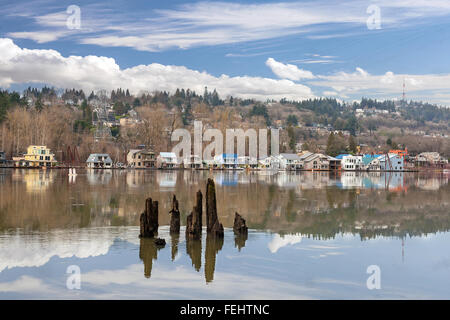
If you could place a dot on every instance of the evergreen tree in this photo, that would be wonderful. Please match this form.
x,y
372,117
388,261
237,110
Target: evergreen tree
x,y
352,145
38,105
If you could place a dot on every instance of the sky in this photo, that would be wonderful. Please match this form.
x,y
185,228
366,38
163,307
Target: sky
x,y
253,49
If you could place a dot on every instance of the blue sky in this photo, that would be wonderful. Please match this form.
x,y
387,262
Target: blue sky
x,y
264,49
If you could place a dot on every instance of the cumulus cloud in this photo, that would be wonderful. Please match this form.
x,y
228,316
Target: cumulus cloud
x,y
19,65
288,71
426,87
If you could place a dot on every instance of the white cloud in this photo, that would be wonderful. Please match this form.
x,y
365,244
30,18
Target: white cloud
x,y
282,241
39,36
215,23
34,251
425,87
19,65
288,71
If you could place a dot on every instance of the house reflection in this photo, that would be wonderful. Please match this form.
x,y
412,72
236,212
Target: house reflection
x,y
38,181
167,180
96,177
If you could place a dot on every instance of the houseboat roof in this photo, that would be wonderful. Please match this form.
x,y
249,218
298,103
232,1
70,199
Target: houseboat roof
x,y
341,156
93,157
305,155
290,156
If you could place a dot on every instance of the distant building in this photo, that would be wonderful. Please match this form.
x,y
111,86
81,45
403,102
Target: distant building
x,y
140,159
371,162
226,160
2,157
289,161
391,162
192,162
350,162
430,159
36,156
247,162
99,161
271,162
334,163
316,161
167,160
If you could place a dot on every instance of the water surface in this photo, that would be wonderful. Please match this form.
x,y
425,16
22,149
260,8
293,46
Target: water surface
x,y
312,235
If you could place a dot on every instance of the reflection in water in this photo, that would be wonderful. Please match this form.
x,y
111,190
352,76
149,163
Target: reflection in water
x,y
148,251
213,246
44,217
318,204
175,239
239,240
194,250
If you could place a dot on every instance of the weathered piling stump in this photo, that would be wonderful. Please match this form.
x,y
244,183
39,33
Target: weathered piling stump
x,y
175,216
214,227
211,206
160,242
239,226
194,220
149,219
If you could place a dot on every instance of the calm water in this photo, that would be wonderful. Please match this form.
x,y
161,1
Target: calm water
x,y
312,235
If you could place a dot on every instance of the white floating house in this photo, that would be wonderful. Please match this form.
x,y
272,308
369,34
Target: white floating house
x,y
391,162
226,160
99,161
271,162
289,161
192,162
167,160
247,162
352,163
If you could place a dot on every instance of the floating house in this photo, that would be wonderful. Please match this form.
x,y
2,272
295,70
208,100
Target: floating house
x,y
316,161
36,156
371,162
247,162
3,161
352,163
141,159
192,162
167,160
334,163
99,161
391,162
289,161
271,162
433,159
226,160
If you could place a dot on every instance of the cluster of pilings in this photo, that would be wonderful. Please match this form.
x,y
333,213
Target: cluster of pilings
x,y
215,231
149,218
